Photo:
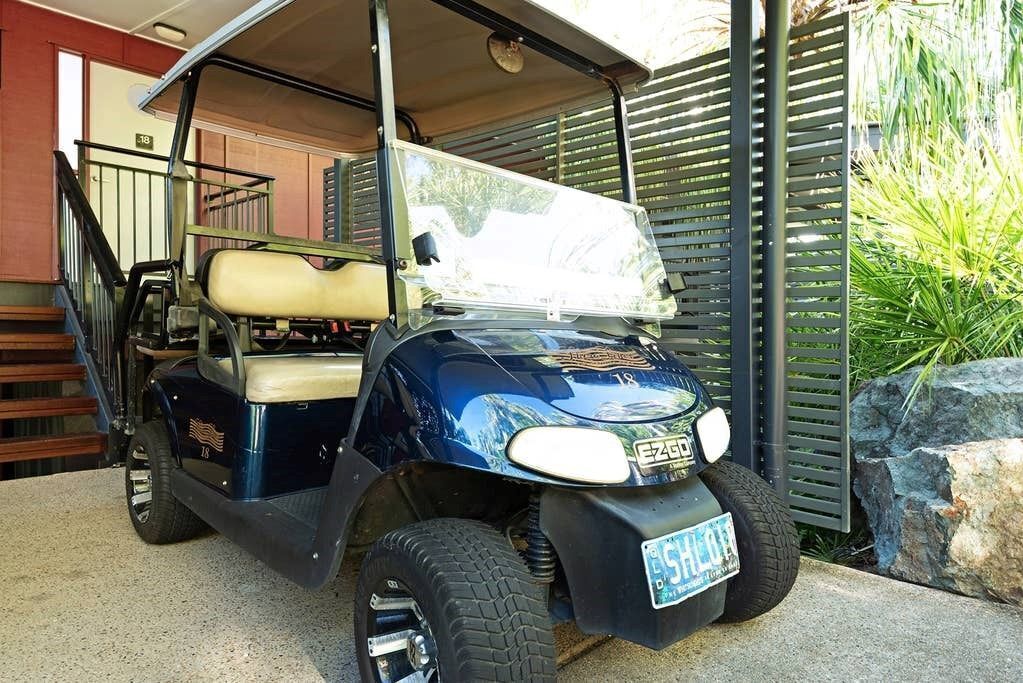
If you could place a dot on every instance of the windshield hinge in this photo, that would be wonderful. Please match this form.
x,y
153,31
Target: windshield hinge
x,y
440,309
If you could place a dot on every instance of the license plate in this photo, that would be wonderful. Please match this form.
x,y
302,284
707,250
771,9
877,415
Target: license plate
x,y
683,563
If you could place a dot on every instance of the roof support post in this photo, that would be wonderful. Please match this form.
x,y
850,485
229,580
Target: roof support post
x,y
383,85
773,399
177,188
624,143
743,352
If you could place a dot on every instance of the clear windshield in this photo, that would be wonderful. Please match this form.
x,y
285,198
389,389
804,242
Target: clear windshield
x,y
508,241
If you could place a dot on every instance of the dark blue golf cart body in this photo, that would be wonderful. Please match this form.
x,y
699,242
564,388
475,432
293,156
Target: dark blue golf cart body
x,y
444,404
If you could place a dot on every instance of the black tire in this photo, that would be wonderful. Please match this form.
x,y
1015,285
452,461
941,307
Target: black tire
x,y
166,520
767,539
488,620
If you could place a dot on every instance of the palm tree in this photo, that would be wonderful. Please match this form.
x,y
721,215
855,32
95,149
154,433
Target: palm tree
x,y
925,66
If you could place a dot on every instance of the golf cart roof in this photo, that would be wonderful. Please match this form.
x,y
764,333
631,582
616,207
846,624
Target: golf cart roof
x,y
444,77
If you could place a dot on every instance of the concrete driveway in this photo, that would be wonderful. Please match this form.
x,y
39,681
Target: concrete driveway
x,y
83,599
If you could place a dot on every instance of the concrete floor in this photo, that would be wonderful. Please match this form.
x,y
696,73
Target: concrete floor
x,y
83,599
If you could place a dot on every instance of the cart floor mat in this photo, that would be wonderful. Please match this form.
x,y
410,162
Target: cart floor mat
x,y
304,506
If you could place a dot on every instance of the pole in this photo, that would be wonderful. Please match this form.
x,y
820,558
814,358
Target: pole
x,y
743,359
383,86
621,114
773,399
177,188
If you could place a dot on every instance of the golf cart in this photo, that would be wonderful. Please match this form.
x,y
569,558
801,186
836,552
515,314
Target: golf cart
x,y
483,408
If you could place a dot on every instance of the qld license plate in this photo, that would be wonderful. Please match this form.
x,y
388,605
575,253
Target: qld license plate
x,y
683,563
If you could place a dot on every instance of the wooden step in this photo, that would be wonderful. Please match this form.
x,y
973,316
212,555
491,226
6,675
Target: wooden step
x,y
36,341
41,372
41,447
19,408
32,313
23,356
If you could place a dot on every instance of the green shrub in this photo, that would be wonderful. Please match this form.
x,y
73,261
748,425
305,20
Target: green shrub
x,y
936,261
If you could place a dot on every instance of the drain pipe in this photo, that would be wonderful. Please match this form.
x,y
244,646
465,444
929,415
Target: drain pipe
x,y
773,397
744,362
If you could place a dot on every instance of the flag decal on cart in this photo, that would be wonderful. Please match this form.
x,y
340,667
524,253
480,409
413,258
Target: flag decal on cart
x,y
207,435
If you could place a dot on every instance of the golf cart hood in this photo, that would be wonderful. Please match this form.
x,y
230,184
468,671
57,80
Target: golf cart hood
x,y
593,377
468,392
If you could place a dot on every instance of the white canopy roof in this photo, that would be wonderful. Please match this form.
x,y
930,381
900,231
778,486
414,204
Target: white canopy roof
x,y
444,76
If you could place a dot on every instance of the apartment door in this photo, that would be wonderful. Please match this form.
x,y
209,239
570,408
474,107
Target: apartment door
x,y
127,189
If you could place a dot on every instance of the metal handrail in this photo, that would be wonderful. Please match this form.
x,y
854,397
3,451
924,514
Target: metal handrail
x,y
88,225
157,157
229,189
93,278
136,231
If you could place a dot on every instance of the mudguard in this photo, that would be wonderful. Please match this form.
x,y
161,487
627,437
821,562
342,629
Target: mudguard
x,y
597,534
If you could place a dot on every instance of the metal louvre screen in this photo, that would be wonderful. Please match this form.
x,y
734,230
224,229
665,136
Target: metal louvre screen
x,y
335,217
351,211
681,145
530,148
365,205
680,131
817,273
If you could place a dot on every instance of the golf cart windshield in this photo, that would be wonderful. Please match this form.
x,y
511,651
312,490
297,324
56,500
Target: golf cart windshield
x,y
510,242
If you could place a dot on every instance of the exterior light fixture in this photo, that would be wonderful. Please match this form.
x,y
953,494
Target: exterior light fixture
x,y
506,53
168,32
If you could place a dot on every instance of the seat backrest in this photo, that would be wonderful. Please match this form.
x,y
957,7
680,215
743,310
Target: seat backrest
x,y
275,285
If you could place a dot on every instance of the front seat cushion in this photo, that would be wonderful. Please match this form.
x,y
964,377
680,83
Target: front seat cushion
x,y
286,379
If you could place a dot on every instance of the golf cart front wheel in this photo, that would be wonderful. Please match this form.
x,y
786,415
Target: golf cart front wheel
x,y
766,536
450,600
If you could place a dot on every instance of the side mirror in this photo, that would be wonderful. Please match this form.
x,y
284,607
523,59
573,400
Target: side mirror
x,y
425,248
673,284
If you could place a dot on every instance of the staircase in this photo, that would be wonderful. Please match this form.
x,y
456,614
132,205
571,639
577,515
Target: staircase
x,y
43,412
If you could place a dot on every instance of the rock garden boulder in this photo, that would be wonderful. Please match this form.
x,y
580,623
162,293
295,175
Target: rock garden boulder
x,y
970,402
942,483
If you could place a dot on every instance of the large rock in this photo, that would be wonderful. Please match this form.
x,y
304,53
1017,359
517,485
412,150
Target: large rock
x,y
942,482
949,517
961,403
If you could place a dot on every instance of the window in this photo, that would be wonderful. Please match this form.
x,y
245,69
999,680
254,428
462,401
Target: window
x,y
70,103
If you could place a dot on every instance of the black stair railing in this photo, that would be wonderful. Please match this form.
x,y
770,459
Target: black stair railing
x,y
92,275
111,291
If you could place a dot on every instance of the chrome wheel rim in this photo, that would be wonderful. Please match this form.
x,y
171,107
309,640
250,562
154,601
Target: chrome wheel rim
x,y
140,481
399,641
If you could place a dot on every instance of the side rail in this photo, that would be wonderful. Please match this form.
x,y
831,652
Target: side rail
x,y
127,191
91,273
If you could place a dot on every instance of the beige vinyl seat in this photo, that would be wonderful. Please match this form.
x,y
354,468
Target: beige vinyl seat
x,y
244,283
312,377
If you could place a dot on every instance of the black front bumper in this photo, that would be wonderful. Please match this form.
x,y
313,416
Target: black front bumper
x,y
598,533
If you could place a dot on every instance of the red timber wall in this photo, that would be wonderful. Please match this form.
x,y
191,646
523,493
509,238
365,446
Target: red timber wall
x,y
298,184
31,38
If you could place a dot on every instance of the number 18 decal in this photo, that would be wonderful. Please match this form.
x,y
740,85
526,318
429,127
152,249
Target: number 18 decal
x,y
626,379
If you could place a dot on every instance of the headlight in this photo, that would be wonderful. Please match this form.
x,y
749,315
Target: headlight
x,y
712,429
576,453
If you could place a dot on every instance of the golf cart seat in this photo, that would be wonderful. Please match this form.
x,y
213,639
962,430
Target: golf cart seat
x,y
244,283
266,284
285,379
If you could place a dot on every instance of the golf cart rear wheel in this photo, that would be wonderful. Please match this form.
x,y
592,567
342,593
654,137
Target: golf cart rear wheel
x,y
450,600
158,517
767,539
